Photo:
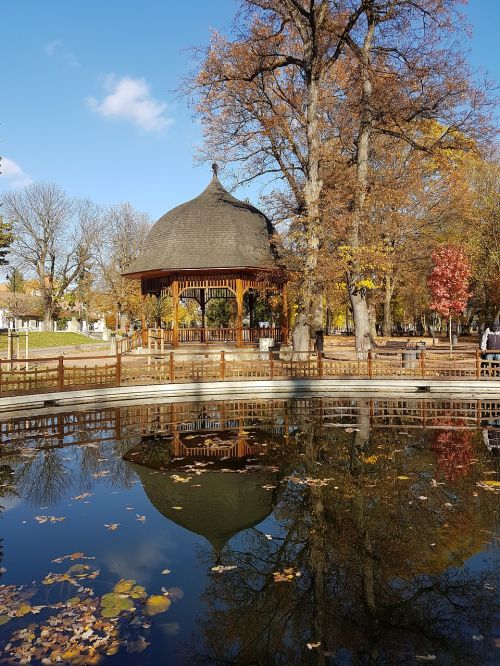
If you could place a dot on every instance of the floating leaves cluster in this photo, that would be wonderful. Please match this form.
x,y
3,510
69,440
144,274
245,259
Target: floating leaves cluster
x,y
85,628
286,576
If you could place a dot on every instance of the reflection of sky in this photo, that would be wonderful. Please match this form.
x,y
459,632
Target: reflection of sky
x,y
8,503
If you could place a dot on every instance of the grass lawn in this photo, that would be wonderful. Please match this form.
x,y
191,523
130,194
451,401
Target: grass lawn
x,y
40,339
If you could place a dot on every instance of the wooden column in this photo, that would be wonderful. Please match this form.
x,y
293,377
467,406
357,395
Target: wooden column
x,y
251,302
239,316
202,307
144,328
175,301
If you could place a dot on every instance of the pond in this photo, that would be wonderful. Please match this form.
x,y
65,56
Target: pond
x,y
319,530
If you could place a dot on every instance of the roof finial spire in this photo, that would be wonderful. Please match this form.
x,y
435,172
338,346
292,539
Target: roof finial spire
x,y
215,169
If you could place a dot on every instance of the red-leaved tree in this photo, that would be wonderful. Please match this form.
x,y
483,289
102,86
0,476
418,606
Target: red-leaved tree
x,y
449,282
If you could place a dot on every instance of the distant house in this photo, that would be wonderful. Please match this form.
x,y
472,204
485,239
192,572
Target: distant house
x,y
19,310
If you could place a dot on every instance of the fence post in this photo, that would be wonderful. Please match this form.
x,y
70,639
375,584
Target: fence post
x,y
320,364
271,364
60,373
223,365
118,376
422,363
478,365
171,375
370,364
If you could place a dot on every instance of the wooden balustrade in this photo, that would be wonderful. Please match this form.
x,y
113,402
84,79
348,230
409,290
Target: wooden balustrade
x,y
156,339
63,373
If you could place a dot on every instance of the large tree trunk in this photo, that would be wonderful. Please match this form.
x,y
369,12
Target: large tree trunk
x,y
310,313
388,292
372,314
48,312
357,293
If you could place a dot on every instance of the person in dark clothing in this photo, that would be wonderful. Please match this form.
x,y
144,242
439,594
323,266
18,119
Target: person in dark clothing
x,y
490,345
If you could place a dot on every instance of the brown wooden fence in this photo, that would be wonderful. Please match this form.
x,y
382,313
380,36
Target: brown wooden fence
x,y
63,373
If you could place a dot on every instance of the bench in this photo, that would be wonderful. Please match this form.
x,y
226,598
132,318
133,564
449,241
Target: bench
x,y
394,346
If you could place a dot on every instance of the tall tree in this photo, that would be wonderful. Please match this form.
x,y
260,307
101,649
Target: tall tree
x,y
449,283
16,281
6,239
303,94
260,101
121,235
52,239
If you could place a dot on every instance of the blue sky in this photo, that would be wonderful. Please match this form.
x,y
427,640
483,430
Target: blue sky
x,y
88,95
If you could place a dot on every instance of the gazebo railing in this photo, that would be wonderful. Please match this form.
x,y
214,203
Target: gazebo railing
x,y
157,339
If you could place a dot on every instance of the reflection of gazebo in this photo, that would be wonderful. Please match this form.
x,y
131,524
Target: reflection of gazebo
x,y
224,504
213,246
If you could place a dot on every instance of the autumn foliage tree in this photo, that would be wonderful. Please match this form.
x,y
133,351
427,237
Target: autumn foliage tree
x,y
310,95
449,282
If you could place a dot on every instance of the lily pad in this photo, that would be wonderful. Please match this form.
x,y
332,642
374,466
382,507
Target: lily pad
x,y
157,603
138,592
4,619
112,604
124,585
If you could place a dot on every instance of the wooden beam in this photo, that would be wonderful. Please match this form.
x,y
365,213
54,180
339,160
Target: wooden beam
x,y
202,307
239,314
175,299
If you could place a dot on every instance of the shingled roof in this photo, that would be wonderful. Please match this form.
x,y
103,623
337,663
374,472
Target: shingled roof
x,y
214,230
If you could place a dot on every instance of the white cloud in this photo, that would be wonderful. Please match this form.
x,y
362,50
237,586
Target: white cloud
x,y
55,49
12,174
51,47
131,99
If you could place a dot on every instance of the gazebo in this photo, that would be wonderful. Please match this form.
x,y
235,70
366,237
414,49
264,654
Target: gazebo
x,y
214,246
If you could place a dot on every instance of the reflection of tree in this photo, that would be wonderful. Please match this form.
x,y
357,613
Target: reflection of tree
x,y
378,582
453,448
5,490
45,478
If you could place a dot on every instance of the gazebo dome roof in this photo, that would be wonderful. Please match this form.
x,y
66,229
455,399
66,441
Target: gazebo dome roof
x,y
214,230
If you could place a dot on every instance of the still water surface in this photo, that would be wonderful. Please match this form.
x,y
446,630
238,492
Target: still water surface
x,y
303,531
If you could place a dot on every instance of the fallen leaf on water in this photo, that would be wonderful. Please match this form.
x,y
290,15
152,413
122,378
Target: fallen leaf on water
x,y
180,479
177,508
370,460
312,646
111,526
171,628
141,519
286,576
221,569
82,496
99,475
403,478
137,646
49,519
494,486
73,556
166,571
174,593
